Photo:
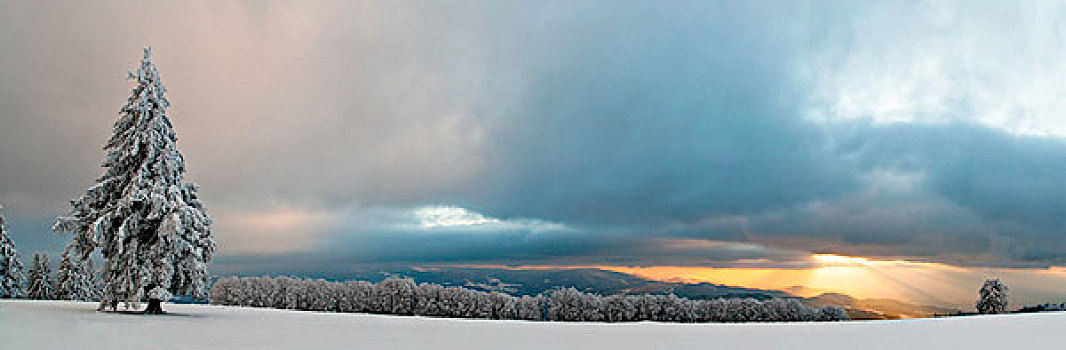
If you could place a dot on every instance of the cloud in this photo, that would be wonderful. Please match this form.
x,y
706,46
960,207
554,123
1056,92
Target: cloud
x,y
272,231
1010,184
956,193
449,217
446,216
565,131
449,234
991,63
656,122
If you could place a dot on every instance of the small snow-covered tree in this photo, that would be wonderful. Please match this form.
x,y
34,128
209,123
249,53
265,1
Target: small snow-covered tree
x,y
224,291
451,302
149,225
75,278
831,313
358,292
427,299
572,305
619,308
41,285
394,296
994,296
531,308
12,277
495,305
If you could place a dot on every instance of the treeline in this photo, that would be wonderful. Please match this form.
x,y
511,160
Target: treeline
x,y
396,296
1043,307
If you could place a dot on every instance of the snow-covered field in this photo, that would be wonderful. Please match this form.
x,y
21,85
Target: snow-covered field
x,y
72,325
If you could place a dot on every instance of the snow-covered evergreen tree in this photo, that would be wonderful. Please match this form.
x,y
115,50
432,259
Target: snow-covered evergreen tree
x,y
75,278
994,295
41,285
12,277
149,225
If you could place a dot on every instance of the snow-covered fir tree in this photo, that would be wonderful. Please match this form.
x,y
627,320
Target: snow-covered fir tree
x,y
149,225
41,285
12,277
75,278
994,297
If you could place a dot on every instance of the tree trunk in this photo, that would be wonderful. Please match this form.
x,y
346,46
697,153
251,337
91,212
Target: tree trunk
x,y
155,306
104,303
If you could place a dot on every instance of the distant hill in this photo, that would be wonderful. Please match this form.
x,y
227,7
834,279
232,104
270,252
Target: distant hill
x,y
876,309
531,282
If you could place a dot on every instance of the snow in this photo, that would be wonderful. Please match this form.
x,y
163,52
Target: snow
x,y
66,324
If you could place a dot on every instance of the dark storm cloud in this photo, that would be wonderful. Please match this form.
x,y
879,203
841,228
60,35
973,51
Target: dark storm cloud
x,y
651,117
1012,186
590,132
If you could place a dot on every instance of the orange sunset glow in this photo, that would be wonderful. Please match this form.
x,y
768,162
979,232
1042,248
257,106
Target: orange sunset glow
x,y
860,277
833,273
920,282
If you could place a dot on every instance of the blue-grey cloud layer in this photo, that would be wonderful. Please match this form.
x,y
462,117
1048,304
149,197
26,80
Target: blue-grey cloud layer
x,y
782,127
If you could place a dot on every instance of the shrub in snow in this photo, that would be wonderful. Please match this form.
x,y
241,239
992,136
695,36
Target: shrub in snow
x,y
12,278
993,299
149,225
41,286
403,297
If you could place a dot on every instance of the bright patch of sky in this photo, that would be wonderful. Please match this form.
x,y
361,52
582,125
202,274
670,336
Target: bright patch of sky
x,y
999,66
446,216
452,217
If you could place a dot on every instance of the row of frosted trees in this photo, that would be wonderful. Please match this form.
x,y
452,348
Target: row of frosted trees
x,y
404,297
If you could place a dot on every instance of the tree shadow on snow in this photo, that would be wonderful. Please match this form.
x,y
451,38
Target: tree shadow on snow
x,y
141,313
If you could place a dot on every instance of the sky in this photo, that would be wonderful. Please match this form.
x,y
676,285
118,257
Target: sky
x,y
687,134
